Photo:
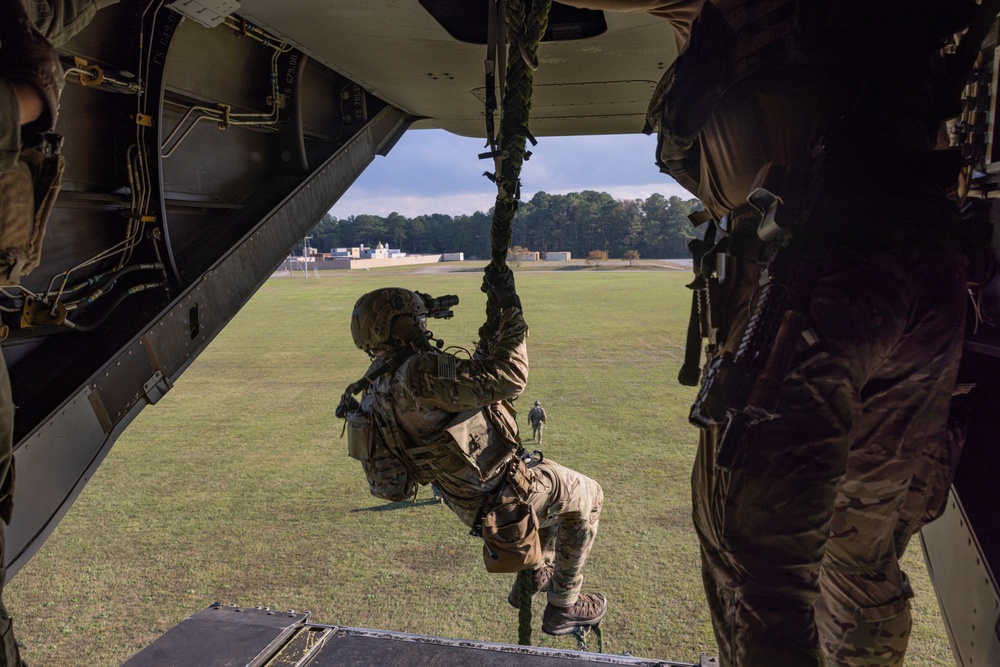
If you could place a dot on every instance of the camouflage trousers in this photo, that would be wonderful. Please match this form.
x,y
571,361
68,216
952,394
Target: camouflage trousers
x,y
801,543
536,432
568,506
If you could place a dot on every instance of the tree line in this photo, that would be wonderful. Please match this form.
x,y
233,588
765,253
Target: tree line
x,y
578,222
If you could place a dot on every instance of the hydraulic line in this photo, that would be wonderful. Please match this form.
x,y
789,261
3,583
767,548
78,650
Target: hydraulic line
x,y
90,326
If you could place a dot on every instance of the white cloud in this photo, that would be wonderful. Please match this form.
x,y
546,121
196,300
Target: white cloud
x,y
431,171
413,205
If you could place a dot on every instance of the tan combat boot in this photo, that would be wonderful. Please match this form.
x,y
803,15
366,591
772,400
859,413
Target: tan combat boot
x,y
539,582
588,610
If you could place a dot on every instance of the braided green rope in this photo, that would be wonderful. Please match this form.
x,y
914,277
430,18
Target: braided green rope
x,y
524,30
525,586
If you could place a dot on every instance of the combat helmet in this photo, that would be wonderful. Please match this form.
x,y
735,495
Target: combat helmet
x,y
388,316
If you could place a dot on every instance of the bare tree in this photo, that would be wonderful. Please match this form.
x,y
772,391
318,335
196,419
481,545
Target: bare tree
x,y
595,257
517,254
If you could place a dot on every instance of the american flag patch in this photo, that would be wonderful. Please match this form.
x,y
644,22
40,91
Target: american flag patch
x,y
446,367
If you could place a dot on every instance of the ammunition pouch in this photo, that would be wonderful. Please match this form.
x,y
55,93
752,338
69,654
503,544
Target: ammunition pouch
x,y
508,525
359,434
388,476
27,194
484,437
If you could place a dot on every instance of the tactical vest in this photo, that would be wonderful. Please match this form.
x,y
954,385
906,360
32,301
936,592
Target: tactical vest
x,y
431,443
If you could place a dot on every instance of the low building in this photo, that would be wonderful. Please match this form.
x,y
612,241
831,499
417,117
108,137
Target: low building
x,y
558,256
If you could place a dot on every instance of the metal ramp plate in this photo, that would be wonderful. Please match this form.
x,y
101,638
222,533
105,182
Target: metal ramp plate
x,y
259,637
221,637
353,647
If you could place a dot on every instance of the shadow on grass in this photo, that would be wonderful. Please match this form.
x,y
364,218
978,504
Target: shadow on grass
x,y
388,507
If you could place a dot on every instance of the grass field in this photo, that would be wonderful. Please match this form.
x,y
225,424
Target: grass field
x,y
236,486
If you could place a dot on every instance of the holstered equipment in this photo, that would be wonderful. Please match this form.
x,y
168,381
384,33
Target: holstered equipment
x,y
742,389
27,194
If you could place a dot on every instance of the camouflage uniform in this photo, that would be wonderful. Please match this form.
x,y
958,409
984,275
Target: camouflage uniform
x,y
801,542
536,415
57,21
430,388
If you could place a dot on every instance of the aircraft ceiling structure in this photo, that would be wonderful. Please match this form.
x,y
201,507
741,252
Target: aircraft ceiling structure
x,y
400,53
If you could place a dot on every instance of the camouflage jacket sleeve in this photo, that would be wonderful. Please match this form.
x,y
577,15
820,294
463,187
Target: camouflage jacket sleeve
x,y
446,382
59,20
10,127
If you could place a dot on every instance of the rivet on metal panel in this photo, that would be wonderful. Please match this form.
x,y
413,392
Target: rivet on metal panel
x,y
106,374
119,414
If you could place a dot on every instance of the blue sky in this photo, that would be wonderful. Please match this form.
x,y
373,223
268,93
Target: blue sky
x,y
433,171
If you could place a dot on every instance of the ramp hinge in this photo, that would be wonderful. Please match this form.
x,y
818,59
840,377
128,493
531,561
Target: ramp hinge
x,y
155,387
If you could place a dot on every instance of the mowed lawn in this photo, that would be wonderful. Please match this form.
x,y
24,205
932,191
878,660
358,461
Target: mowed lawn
x,y
236,487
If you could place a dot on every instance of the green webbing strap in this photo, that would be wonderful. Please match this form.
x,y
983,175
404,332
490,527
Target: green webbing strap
x,y
525,585
524,33
581,632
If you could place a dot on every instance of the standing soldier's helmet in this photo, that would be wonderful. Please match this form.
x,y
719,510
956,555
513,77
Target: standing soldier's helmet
x,y
387,317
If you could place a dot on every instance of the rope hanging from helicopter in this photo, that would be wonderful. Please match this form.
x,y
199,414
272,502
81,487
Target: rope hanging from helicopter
x,y
510,22
519,24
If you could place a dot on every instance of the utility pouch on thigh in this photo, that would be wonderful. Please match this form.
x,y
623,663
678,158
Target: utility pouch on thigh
x,y
27,194
509,528
510,536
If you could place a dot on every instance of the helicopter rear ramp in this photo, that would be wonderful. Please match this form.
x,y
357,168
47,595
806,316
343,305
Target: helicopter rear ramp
x,y
230,636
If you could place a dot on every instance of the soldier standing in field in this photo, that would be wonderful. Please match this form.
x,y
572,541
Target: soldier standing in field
x,y
536,416
427,416
31,82
802,531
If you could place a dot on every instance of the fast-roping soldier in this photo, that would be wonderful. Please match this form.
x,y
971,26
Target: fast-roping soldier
x,y
437,418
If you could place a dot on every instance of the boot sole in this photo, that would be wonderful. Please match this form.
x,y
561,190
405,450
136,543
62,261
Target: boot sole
x,y
561,630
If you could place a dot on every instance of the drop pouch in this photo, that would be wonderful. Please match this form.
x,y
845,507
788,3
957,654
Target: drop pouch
x,y
510,528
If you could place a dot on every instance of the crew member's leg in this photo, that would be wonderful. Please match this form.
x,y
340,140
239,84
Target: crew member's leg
x,y
864,614
9,654
764,526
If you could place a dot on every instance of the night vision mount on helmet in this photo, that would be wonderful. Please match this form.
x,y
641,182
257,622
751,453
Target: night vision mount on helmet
x,y
391,316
